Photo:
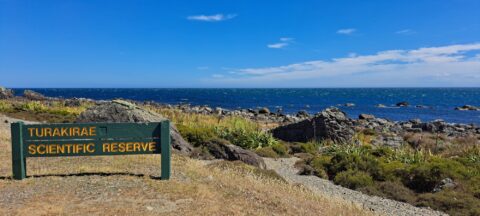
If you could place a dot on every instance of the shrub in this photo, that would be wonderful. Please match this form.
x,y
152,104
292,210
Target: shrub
x,y
33,106
319,165
343,161
309,147
389,171
249,139
267,152
197,136
425,176
280,148
451,202
5,106
391,189
353,179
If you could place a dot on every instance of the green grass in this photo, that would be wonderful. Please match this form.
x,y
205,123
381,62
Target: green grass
x,y
48,111
199,129
404,174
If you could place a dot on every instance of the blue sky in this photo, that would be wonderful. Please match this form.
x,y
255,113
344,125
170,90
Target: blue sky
x,y
245,43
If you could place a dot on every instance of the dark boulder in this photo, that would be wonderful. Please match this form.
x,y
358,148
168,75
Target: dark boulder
x,y
6,93
330,124
223,149
122,111
402,104
264,110
32,95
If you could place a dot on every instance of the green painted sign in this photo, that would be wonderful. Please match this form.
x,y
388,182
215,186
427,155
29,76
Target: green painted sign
x,y
89,139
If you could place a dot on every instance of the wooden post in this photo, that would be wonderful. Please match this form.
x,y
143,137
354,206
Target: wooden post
x,y
19,164
165,150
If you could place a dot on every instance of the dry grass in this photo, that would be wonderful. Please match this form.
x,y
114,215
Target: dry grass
x,y
123,185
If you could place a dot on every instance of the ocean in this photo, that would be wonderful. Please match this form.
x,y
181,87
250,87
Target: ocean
x,y
436,103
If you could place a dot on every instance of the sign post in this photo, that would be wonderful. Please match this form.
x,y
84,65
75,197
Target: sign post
x,y
89,139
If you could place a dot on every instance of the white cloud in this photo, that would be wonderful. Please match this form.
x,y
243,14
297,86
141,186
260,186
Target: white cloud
x,y
347,31
212,18
284,41
405,32
453,65
277,45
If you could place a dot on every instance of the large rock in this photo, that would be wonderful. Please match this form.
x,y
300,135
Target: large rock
x,y
467,107
222,149
264,110
6,93
330,124
32,95
122,111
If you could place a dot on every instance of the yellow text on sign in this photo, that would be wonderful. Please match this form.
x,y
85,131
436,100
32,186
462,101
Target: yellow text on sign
x,y
62,132
129,147
43,149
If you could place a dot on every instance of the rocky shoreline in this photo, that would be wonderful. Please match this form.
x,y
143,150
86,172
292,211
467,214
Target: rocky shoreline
x,y
264,115
292,135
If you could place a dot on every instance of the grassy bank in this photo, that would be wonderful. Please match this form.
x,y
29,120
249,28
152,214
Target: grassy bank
x,y
412,174
126,185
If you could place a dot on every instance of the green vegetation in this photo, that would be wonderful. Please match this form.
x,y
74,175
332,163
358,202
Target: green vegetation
x,y
198,129
405,174
413,173
353,179
49,111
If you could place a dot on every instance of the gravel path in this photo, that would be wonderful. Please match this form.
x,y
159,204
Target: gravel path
x,y
285,168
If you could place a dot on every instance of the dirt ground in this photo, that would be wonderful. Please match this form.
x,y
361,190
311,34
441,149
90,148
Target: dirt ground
x,y
129,185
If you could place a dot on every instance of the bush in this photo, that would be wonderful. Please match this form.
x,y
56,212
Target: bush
x,y
197,136
267,152
319,165
33,106
451,202
249,139
5,107
309,148
389,171
391,189
344,161
280,148
353,179
425,176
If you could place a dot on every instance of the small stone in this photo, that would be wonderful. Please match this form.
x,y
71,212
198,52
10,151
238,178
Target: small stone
x,y
149,208
366,116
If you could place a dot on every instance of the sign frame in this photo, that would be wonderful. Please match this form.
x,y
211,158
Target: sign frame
x,y
143,138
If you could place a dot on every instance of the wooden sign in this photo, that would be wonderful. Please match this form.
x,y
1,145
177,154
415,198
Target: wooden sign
x,y
89,139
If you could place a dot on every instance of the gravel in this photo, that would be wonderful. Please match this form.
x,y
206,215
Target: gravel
x,y
285,168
